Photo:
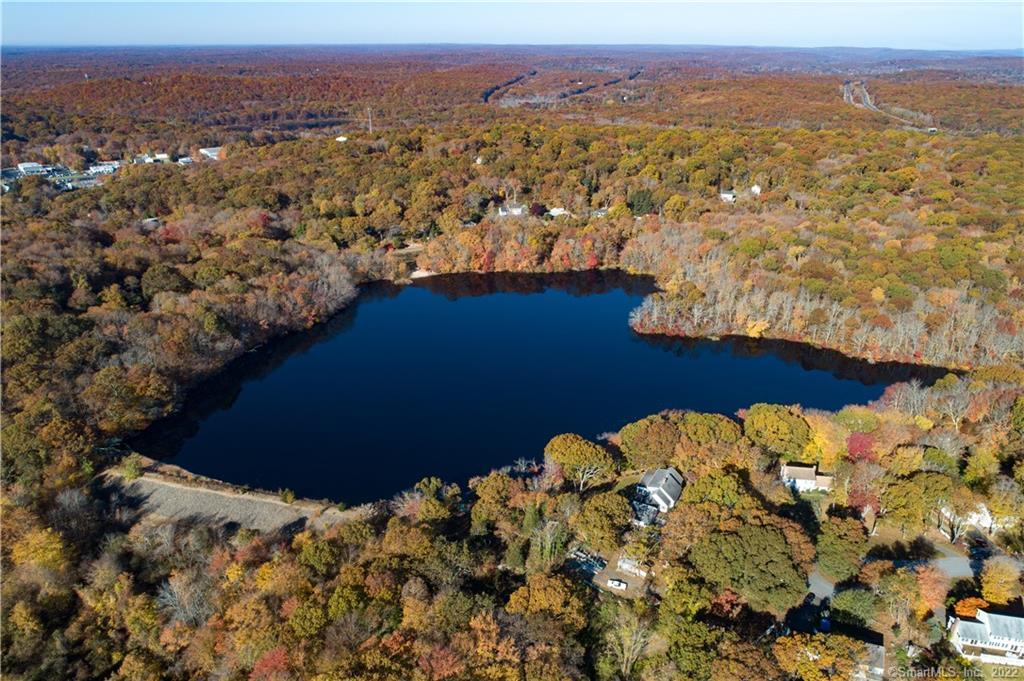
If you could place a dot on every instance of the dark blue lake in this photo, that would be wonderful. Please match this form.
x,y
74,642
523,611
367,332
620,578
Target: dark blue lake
x,y
456,375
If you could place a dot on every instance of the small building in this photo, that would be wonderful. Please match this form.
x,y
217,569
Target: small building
x,y
212,153
142,159
479,160
600,212
644,514
32,168
663,487
727,196
871,667
185,161
932,131
981,518
339,138
505,211
103,168
557,212
803,477
631,566
161,158
81,181
990,637
756,190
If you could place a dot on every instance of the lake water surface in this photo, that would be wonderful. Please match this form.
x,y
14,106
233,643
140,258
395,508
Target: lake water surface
x,y
456,375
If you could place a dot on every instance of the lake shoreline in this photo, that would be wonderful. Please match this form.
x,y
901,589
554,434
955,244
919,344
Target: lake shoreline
x,y
385,366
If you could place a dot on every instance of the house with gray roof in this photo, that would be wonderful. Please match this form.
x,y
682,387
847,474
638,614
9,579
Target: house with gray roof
x,y
994,638
662,487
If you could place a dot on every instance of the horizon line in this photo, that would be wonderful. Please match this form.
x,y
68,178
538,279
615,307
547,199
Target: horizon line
x,y
973,50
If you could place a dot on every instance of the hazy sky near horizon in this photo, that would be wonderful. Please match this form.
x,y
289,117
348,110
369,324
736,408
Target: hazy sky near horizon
x,y
927,24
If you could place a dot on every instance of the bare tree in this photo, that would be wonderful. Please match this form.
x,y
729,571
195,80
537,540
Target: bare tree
x,y
628,639
954,402
185,596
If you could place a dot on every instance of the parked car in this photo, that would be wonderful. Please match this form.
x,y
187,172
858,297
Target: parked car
x,y
617,584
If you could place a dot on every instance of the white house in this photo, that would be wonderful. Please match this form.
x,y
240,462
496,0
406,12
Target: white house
x,y
556,212
981,518
663,487
161,158
727,196
339,138
212,153
756,190
991,637
185,161
505,211
31,168
803,477
103,168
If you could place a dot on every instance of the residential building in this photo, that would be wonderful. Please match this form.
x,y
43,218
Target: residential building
x,y
872,666
644,514
32,168
632,567
990,637
803,477
339,138
212,153
556,212
756,190
161,158
981,518
185,161
103,168
662,487
506,210
727,196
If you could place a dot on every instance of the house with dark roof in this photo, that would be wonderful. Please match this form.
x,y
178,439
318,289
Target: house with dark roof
x,y
990,637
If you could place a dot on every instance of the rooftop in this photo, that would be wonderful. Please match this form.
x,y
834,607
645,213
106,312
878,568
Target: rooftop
x,y
662,478
1001,626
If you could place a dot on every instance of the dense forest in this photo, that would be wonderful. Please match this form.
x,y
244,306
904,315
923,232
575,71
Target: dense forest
x,y
762,203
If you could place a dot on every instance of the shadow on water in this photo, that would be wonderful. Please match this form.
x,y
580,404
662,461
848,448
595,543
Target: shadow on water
x,y
808,357
584,283
219,392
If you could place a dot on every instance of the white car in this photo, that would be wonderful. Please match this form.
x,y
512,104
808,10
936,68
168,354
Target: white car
x,y
617,584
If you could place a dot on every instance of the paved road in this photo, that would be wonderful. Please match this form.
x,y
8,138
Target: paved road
x,y
818,585
851,91
163,498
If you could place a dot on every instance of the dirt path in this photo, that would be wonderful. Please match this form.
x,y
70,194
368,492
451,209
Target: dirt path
x,y
161,497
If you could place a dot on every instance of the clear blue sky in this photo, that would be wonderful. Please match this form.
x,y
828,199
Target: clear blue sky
x,y
926,25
